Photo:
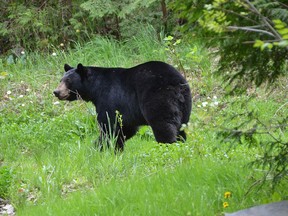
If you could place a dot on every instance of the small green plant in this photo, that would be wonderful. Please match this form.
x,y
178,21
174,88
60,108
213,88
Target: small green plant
x,y
5,181
111,131
187,58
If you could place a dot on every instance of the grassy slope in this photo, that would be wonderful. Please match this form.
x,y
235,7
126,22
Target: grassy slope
x,y
56,171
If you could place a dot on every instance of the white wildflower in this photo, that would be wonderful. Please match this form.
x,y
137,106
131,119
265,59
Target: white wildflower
x,y
205,103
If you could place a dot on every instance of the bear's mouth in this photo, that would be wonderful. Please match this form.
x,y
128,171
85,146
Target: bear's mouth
x,y
63,97
67,95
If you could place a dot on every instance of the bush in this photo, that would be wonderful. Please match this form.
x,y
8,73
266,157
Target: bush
x,y
59,24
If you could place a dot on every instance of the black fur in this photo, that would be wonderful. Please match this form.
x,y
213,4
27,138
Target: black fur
x,y
153,93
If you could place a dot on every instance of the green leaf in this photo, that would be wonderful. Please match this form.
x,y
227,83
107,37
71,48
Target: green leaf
x,y
283,31
283,43
168,38
280,26
277,21
177,42
258,43
267,45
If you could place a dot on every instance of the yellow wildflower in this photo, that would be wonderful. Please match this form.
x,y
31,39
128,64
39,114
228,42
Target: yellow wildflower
x,y
225,204
227,194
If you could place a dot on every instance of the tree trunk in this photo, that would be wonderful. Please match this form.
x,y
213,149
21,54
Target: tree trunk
x,y
164,14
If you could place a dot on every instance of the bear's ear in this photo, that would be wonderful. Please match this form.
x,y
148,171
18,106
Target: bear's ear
x,y
81,70
67,67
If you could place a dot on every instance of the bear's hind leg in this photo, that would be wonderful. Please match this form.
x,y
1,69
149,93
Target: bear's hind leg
x,y
162,112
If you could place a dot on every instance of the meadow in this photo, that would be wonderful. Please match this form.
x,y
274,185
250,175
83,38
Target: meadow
x,y
49,165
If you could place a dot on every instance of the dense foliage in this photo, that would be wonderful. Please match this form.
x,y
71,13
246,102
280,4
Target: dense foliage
x,y
232,28
251,40
47,25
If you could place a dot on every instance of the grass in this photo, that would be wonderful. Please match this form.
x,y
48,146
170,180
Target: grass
x,y
52,168
185,190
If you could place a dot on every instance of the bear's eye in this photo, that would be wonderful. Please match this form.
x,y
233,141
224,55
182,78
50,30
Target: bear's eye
x,y
68,80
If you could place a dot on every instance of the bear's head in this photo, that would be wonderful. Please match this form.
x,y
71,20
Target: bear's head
x,y
71,84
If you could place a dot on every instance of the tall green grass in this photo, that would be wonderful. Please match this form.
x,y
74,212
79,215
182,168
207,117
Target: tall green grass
x,y
194,188
54,168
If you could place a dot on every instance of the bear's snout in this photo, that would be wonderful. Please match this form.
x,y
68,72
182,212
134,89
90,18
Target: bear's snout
x,y
62,92
56,93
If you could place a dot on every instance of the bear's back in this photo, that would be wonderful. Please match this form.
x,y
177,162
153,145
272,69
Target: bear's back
x,y
153,71
156,69
154,75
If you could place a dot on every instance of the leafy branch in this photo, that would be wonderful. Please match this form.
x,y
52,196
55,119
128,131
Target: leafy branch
x,y
218,18
264,19
250,29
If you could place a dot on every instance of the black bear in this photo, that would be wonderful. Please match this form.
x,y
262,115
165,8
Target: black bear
x,y
153,93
